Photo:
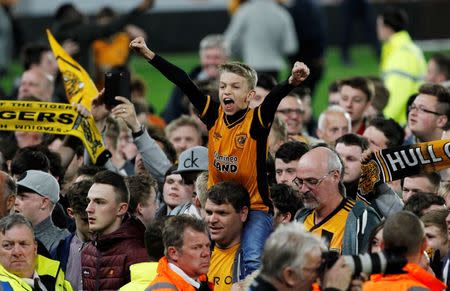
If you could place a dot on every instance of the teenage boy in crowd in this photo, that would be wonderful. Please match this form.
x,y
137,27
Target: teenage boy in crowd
x,y
237,135
356,96
68,252
286,160
117,238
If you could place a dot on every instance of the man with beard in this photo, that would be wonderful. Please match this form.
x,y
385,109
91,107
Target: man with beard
x,y
344,224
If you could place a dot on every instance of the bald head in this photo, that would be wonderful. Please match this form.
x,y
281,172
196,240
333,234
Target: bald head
x,y
319,178
333,123
37,83
315,158
322,158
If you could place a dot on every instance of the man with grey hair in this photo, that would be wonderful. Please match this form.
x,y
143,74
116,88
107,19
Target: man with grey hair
x,y
21,267
37,83
333,123
187,256
344,224
213,51
291,260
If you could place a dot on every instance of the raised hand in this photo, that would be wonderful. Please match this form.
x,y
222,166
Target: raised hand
x,y
299,73
138,45
126,111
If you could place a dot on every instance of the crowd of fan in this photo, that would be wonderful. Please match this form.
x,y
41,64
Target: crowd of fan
x,y
157,216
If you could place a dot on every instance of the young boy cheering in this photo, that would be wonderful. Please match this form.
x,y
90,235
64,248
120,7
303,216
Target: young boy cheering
x,y
237,144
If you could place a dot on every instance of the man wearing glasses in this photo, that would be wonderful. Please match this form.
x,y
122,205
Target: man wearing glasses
x,y
344,224
291,111
429,113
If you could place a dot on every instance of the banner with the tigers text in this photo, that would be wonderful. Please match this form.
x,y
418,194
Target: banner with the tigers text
x,y
399,162
79,86
53,118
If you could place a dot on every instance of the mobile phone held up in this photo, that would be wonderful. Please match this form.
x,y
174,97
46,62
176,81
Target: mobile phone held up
x,y
117,83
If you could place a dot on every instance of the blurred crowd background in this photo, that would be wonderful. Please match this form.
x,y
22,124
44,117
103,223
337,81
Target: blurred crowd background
x,y
175,28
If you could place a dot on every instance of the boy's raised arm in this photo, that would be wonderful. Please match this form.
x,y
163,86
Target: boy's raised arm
x,y
299,74
268,108
138,45
172,73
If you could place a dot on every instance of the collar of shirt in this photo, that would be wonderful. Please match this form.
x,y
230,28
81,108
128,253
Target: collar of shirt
x,y
445,272
30,281
183,275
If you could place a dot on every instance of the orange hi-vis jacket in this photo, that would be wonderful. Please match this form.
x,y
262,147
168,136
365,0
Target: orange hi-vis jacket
x,y
415,277
168,280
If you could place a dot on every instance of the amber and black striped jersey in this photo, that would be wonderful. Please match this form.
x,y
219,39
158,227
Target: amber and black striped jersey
x,y
235,155
332,227
237,145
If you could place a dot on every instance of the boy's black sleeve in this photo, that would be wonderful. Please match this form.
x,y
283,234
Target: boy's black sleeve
x,y
182,80
266,112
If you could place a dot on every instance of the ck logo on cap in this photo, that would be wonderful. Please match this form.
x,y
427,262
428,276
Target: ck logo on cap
x,y
191,162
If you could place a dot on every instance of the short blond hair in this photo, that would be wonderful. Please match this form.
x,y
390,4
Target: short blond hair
x,y
242,70
201,186
444,189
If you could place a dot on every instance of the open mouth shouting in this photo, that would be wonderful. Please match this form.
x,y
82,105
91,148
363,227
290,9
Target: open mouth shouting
x,y
228,104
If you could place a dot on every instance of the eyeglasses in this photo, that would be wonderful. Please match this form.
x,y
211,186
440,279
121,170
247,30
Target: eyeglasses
x,y
289,111
309,182
422,110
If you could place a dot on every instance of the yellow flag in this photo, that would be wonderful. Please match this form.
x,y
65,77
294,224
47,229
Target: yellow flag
x,y
79,86
53,118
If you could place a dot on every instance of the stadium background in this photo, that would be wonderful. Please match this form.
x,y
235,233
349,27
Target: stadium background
x,y
175,28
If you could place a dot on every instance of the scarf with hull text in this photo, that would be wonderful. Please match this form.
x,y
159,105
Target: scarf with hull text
x,y
399,162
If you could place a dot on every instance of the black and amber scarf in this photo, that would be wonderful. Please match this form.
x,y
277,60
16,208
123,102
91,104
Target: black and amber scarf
x,y
399,162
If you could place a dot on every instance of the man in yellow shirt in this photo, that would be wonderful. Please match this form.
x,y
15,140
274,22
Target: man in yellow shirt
x,y
226,208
